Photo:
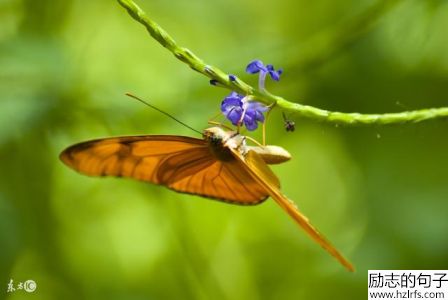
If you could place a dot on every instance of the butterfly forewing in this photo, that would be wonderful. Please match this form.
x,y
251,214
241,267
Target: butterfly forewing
x,y
183,164
255,165
135,156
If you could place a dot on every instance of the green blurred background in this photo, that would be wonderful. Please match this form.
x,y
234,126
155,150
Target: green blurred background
x,y
378,193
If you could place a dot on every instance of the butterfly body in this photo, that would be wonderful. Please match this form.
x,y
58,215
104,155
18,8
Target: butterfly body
x,y
220,166
219,142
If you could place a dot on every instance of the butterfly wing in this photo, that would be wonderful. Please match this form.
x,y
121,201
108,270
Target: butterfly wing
x,y
137,157
255,165
183,164
226,181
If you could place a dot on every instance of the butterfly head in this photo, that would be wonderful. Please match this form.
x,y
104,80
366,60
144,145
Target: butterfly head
x,y
217,135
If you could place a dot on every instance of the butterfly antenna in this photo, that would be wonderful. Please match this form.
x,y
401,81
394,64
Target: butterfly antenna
x,y
161,111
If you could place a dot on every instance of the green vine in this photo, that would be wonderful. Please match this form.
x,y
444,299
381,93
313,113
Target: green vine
x,y
197,64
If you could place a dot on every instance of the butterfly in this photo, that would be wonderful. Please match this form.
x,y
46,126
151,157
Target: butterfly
x,y
220,166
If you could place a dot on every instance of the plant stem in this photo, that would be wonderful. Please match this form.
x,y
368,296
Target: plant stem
x,y
311,112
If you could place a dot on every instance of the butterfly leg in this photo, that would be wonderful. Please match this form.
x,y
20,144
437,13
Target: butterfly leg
x,y
255,141
270,107
240,122
215,117
220,125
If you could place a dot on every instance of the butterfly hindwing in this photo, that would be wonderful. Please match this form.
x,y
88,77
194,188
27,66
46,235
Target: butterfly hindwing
x,y
227,181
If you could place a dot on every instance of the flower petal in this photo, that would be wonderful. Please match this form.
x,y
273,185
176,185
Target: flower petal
x,y
255,66
259,116
254,105
250,124
232,107
231,101
275,75
234,115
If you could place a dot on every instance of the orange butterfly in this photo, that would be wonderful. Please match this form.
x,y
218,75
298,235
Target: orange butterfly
x,y
219,166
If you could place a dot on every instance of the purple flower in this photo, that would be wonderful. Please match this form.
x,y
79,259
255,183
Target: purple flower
x,y
239,110
257,66
232,107
254,114
274,74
